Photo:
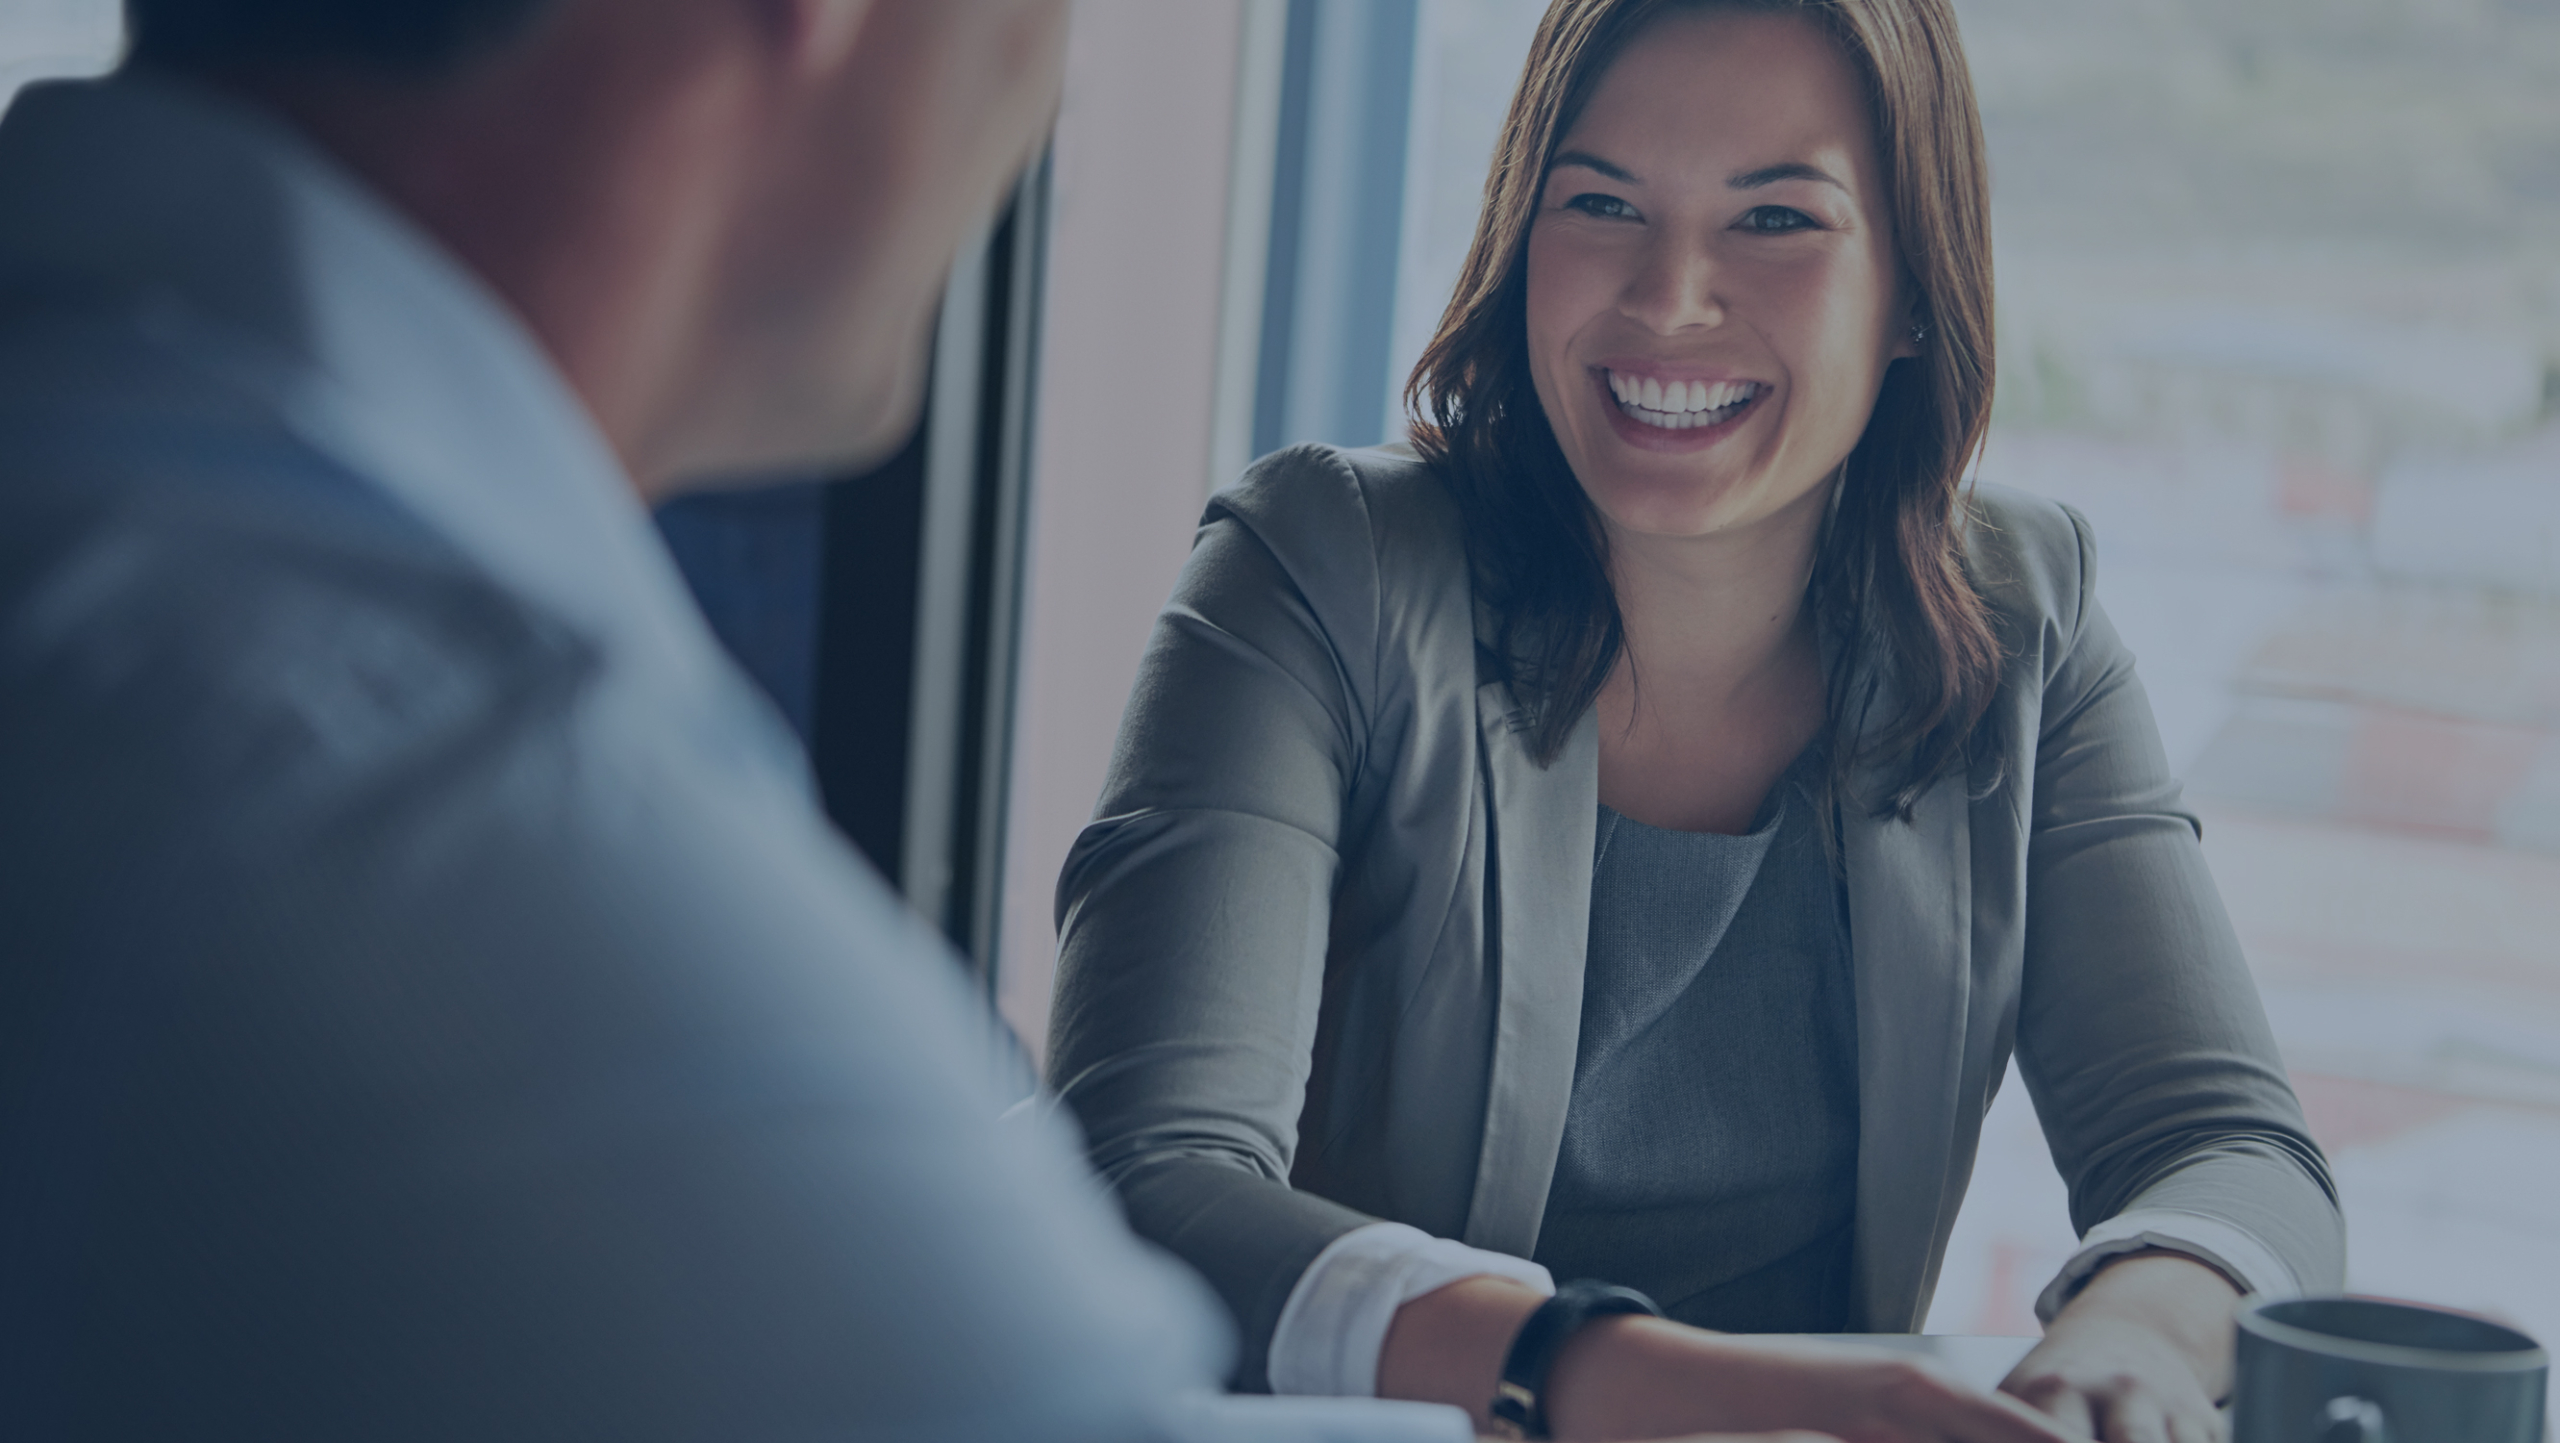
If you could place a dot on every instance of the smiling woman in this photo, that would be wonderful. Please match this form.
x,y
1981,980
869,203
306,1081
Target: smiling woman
x,y
1627,835
1895,270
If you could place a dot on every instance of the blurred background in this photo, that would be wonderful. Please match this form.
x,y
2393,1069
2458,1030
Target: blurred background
x,y
2279,310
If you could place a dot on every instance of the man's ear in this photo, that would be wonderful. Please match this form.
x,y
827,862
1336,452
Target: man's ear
x,y
816,36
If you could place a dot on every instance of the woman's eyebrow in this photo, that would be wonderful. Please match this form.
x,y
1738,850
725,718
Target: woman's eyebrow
x,y
1588,161
1790,170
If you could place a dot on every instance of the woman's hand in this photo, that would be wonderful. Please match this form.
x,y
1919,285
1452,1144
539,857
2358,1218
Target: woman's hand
x,y
1646,1377
1629,1377
1787,1437
2139,1356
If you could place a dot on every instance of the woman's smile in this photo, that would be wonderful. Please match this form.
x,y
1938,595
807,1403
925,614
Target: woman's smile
x,y
1675,412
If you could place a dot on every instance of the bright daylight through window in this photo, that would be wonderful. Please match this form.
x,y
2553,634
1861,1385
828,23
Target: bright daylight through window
x,y
42,38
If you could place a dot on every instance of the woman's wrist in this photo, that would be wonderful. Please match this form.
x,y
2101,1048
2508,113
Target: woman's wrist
x,y
1447,1346
2188,1304
1654,1378
1520,1401
1601,1383
2148,1339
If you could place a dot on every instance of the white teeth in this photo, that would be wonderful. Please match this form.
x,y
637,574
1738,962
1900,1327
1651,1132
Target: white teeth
x,y
1679,405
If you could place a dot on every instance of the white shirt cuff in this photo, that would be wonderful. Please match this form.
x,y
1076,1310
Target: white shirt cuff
x,y
1336,1319
2247,1262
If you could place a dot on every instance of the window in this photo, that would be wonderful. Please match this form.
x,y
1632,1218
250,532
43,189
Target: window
x,y
2280,311
40,39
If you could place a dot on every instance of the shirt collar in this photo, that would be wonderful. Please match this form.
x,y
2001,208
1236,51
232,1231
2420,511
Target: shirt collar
x,y
356,328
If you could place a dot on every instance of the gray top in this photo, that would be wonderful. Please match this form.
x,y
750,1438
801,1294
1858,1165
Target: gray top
x,y
1321,949
1710,1155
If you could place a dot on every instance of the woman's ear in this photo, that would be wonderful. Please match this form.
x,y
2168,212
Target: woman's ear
x,y
1912,339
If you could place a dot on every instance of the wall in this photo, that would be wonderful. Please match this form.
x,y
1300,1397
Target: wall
x,y
1128,380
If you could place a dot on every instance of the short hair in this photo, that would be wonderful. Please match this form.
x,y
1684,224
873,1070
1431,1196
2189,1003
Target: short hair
x,y
415,39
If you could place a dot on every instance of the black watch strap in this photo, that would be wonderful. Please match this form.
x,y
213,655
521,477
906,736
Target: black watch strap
x,y
1520,1404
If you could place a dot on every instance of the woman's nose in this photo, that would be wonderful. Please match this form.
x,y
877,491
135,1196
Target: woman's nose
x,y
1676,286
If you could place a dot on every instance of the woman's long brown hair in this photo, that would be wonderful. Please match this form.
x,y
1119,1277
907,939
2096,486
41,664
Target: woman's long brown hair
x,y
1910,632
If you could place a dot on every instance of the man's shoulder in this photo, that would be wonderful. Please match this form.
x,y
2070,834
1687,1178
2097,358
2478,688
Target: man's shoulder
x,y
217,607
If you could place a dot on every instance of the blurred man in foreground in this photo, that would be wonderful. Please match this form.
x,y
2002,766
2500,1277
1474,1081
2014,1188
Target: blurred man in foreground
x,y
430,1004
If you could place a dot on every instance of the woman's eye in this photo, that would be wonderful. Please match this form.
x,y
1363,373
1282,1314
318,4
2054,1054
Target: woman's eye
x,y
1607,207
1776,219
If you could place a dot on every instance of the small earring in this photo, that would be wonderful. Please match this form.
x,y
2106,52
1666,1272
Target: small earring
x,y
1919,331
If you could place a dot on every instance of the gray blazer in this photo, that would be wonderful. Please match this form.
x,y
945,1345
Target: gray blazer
x,y
1321,949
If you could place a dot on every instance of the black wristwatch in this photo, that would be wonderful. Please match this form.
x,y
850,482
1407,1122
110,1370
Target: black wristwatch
x,y
1520,1404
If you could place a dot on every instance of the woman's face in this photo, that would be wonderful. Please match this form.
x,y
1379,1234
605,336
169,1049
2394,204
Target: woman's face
x,y
1714,291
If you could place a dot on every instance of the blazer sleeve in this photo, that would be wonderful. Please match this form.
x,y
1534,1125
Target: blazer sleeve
x,y
2140,1033
1193,913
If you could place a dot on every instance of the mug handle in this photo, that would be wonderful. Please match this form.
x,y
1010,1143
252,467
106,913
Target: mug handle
x,y
2352,1420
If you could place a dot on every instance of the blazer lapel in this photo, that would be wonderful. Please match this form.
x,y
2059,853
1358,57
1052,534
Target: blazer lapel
x,y
1910,934
1538,891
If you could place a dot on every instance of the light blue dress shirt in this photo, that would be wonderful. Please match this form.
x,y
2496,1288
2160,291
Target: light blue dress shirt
x,y
431,1005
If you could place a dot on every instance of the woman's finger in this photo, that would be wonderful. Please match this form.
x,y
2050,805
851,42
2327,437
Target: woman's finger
x,y
2065,1409
1970,1416
1791,1436
2184,1428
2133,1418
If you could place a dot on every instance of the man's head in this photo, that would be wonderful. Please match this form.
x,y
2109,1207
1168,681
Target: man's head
x,y
728,220
396,37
